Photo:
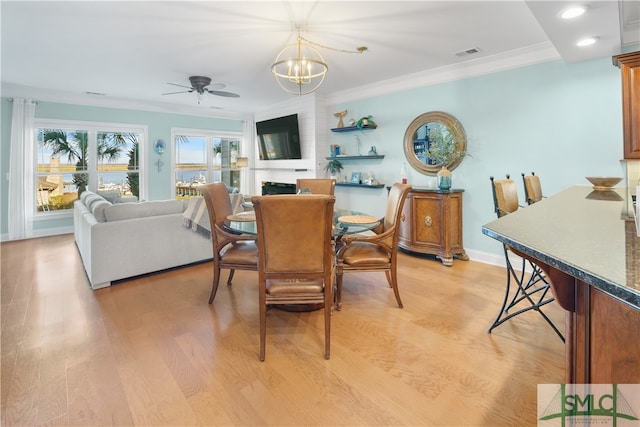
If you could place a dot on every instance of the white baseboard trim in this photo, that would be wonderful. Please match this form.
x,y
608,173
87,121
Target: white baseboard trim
x,y
4,237
498,260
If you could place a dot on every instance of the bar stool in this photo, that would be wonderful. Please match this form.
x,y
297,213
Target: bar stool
x,y
532,188
532,289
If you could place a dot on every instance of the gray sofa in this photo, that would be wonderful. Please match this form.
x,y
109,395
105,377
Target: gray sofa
x,y
121,240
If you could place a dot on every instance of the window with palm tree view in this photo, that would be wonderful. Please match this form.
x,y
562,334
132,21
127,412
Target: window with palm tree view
x,y
202,158
70,161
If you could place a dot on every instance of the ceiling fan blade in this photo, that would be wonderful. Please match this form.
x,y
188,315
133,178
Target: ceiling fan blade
x,y
223,93
176,84
182,91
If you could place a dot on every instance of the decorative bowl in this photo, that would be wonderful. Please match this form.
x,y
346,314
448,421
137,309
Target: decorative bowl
x,y
610,196
603,183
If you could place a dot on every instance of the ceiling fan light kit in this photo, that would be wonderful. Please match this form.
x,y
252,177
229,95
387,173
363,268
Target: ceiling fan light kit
x,y
199,85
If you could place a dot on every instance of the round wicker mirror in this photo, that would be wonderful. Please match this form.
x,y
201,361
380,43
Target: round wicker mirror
x,y
416,141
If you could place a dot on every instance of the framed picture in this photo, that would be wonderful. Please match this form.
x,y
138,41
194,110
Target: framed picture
x,y
355,177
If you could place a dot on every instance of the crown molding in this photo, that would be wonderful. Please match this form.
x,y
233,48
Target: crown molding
x,y
543,52
539,53
10,90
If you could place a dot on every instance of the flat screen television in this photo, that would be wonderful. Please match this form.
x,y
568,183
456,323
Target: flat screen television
x,y
279,138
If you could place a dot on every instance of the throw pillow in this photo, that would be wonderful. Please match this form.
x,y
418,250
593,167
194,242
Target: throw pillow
x,y
111,195
84,195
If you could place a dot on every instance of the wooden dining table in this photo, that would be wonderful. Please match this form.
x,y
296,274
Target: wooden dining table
x,y
345,221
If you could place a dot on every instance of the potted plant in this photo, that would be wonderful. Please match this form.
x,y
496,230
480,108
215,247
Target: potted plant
x,y
333,166
365,121
444,150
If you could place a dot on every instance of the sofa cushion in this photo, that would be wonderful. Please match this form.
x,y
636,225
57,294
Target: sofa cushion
x,y
111,195
123,211
127,199
98,208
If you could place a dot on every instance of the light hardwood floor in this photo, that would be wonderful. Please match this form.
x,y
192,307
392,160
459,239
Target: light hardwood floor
x,y
151,351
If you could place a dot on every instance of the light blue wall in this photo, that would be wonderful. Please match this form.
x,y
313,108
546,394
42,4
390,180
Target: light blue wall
x,y
563,121
159,126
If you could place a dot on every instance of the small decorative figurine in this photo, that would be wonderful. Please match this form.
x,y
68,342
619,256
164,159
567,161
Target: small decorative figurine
x,y
340,114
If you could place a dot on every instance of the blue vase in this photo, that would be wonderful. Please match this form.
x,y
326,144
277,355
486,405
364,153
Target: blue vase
x,y
444,179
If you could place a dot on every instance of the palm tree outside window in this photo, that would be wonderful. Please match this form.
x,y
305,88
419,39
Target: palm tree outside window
x,y
70,161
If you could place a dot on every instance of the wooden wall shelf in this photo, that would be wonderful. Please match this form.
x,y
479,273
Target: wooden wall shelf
x,y
353,128
377,156
351,184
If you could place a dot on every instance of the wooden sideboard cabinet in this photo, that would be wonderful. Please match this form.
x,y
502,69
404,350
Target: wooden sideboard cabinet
x,y
629,65
431,223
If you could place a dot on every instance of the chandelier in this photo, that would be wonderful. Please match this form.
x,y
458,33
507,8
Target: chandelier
x,y
300,69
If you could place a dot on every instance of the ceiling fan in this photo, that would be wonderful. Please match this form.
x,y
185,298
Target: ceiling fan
x,y
199,85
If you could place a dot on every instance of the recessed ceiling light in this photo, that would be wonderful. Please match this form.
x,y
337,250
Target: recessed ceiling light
x,y
573,12
587,41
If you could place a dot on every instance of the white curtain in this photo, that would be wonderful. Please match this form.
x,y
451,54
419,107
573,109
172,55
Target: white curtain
x,y
21,174
248,150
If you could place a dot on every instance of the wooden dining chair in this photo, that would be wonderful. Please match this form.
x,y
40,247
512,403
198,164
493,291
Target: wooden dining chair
x,y
296,255
377,252
230,251
532,288
532,188
317,185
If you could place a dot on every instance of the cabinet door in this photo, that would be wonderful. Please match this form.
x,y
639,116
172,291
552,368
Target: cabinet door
x,y
454,225
428,217
630,68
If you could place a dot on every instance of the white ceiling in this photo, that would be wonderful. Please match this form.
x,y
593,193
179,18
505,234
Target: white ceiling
x,y
130,50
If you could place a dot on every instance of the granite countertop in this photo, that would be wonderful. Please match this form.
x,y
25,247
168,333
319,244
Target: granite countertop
x,y
583,233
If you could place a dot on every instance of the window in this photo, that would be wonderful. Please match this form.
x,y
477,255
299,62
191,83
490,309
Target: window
x,y
72,158
202,157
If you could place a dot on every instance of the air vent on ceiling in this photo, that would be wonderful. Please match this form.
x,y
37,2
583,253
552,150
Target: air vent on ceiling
x,y
467,52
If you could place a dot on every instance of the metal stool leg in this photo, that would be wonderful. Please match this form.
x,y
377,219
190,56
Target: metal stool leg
x,y
532,295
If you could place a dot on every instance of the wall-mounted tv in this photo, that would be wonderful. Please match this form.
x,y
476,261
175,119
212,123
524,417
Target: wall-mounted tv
x,y
279,138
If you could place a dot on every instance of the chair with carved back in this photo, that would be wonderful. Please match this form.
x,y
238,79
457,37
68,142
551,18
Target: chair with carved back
x,y
532,188
296,255
532,288
317,185
377,252
230,251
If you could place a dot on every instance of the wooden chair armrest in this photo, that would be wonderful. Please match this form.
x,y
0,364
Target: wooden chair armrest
x,y
232,237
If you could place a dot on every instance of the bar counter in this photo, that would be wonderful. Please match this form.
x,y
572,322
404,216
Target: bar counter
x,y
588,247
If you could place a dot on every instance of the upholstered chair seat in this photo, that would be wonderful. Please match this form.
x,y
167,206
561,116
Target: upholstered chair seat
x,y
360,254
240,253
302,286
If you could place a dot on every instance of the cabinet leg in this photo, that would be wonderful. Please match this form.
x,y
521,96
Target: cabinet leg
x,y
463,256
447,261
